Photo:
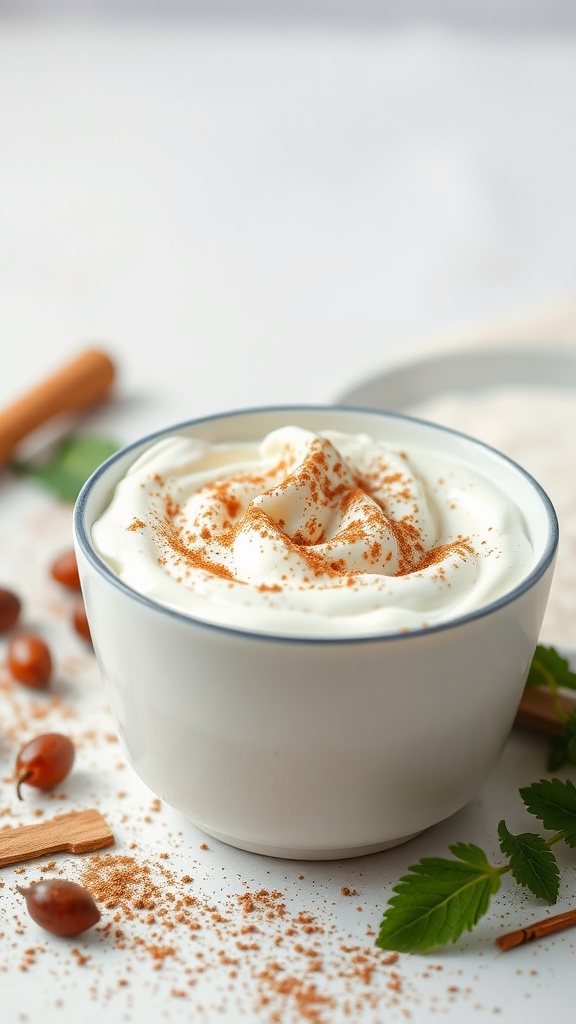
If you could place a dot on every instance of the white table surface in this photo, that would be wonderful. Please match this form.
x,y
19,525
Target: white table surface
x,y
240,218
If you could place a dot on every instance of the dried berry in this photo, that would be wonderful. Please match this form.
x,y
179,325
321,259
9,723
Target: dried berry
x,y
10,607
64,569
80,620
29,660
60,906
44,761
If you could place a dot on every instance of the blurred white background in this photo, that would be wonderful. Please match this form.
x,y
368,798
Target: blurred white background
x,y
255,202
516,14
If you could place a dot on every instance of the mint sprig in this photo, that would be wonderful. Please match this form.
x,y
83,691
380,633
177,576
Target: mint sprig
x,y
554,804
440,898
550,670
562,748
70,465
532,862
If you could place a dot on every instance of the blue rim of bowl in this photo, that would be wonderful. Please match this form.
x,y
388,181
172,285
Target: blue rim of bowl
x,y
533,576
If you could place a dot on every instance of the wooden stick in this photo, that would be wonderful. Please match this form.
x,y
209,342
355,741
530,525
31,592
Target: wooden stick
x,y
548,926
75,832
537,710
77,385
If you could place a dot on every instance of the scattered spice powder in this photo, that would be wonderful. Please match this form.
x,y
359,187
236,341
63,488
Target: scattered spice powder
x,y
353,505
136,524
295,983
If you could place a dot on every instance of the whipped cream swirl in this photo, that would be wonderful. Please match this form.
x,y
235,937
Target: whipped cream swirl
x,y
326,534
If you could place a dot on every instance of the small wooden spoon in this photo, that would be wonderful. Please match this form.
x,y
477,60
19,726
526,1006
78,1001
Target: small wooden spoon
x,y
79,384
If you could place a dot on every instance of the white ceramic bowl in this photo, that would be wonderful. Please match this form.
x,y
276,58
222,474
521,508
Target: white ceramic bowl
x,y
307,748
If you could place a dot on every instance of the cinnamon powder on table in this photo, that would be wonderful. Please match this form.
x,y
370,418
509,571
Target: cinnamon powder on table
x,y
280,964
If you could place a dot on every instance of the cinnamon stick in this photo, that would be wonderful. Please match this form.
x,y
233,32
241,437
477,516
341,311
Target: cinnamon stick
x,y
548,926
75,832
82,382
537,710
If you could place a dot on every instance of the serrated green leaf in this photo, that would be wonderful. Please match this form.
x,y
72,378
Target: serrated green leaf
x,y
471,855
553,801
532,862
73,461
550,669
438,900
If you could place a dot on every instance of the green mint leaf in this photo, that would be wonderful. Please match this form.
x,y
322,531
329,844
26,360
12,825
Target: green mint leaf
x,y
553,801
562,748
438,900
558,756
550,669
532,862
70,465
570,733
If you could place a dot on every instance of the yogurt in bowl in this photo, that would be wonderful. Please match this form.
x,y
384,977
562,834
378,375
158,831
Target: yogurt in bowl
x,y
314,624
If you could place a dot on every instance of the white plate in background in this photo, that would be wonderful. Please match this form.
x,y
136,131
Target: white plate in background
x,y
413,382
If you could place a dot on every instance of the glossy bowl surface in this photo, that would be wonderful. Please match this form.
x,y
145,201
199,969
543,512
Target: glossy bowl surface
x,y
307,748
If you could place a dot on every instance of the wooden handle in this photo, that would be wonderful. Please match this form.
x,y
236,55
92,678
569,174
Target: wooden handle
x,y
76,832
79,384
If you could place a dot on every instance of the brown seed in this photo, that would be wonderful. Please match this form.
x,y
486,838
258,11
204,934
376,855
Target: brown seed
x,y
29,660
65,570
44,761
10,607
80,620
60,906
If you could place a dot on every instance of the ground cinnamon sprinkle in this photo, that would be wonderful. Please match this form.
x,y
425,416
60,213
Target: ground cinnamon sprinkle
x,y
118,880
247,503
136,524
182,544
